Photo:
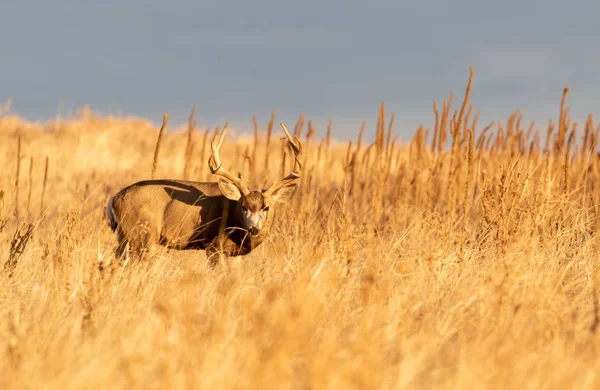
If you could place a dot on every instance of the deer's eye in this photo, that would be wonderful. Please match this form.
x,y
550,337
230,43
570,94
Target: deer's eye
x,y
244,208
266,209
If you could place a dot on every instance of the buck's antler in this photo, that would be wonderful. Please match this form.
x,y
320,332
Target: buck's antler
x,y
214,162
295,174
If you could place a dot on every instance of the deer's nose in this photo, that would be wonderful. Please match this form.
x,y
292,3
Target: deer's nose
x,y
254,230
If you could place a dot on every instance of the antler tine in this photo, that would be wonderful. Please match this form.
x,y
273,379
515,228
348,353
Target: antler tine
x,y
214,163
297,146
295,174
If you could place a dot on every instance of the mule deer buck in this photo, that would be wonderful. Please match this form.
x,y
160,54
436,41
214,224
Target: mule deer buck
x,y
224,217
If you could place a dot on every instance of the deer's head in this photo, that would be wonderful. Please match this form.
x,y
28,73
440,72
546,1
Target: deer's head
x,y
255,206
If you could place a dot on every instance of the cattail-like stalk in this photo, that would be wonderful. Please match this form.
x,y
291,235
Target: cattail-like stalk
x,y
530,130
203,151
380,133
567,165
589,125
418,141
44,186
360,136
389,135
17,178
549,135
328,140
469,173
248,157
157,148
298,127
444,122
455,140
379,154
594,137
189,146
347,166
309,136
348,154
269,135
320,151
283,163
594,220
573,139
474,124
254,147
465,101
562,124
310,133
30,185
465,125
390,159
510,142
436,130
499,142
488,144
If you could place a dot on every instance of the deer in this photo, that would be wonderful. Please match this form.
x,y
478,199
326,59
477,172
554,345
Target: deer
x,y
225,218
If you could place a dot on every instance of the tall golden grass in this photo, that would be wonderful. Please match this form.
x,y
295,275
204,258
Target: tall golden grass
x,y
465,259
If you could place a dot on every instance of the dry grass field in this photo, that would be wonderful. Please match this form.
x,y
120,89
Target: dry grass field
x,y
466,258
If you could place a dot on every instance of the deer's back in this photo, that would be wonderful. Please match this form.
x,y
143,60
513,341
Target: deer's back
x,y
184,213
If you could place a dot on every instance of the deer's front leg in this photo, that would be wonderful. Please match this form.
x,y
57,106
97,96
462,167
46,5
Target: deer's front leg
x,y
220,250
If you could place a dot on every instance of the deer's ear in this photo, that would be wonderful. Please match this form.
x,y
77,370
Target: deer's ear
x,y
284,194
229,190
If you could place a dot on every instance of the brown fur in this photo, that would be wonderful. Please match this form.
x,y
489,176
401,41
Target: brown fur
x,y
185,215
255,201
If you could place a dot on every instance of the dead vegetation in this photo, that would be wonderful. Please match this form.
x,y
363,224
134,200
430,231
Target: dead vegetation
x,y
465,259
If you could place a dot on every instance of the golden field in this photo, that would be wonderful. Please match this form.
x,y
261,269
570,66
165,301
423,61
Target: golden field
x,y
467,263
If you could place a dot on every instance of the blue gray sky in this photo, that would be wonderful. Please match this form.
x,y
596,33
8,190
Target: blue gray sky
x,y
337,59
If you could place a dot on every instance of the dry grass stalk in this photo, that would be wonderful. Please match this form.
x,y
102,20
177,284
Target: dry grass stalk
x,y
310,133
203,159
44,186
17,246
475,122
269,135
455,143
361,133
254,145
471,136
481,139
436,130
30,186
3,216
298,127
189,147
348,159
157,148
17,174
283,169
328,140
589,126
461,117
566,169
444,123
388,139
465,124
562,125
250,163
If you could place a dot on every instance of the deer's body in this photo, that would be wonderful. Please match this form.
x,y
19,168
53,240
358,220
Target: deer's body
x,y
224,216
